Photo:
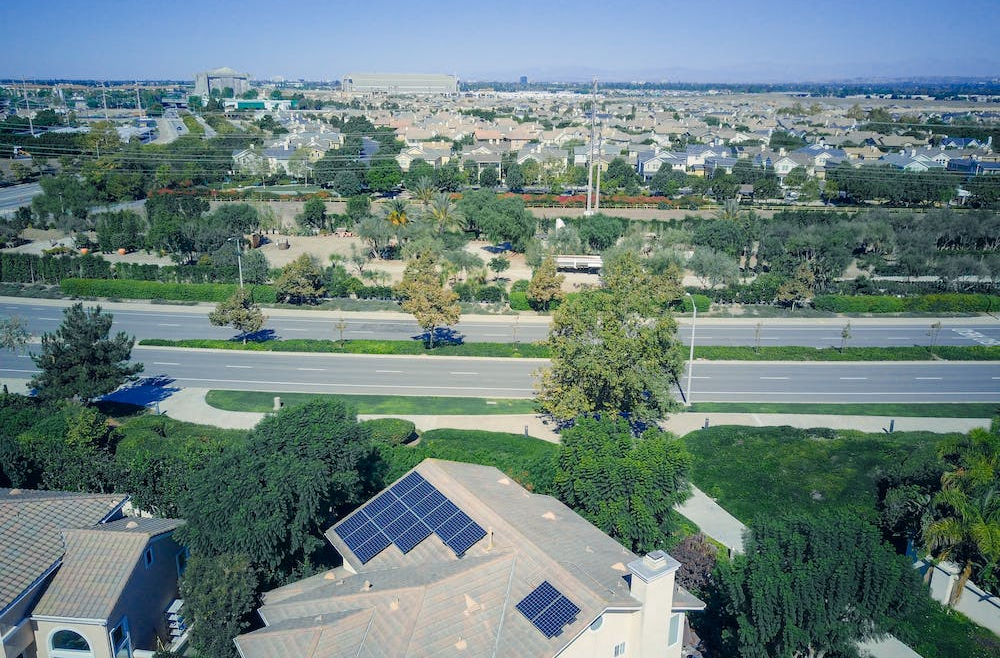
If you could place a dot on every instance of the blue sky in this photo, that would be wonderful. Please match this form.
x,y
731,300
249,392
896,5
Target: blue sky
x,y
714,40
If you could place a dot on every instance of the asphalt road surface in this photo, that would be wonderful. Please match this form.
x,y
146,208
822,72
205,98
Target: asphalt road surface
x,y
15,196
512,378
146,321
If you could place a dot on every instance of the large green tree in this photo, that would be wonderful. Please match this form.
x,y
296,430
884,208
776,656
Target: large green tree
x,y
220,593
425,297
300,282
614,349
271,496
545,286
624,485
812,586
80,361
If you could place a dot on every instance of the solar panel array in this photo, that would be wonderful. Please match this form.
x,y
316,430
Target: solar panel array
x,y
548,609
405,514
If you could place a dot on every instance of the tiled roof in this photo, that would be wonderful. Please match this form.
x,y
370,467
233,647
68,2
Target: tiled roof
x,y
30,525
97,566
429,602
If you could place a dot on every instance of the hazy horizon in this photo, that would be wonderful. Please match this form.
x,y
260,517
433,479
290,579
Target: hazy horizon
x,y
780,41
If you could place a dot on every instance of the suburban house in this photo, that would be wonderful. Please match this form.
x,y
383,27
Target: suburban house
x,y
458,559
80,579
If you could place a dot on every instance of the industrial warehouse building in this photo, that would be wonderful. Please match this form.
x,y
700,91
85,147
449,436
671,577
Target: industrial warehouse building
x,y
219,79
400,83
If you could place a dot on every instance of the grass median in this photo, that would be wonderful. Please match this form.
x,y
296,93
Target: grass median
x,y
541,351
920,410
262,402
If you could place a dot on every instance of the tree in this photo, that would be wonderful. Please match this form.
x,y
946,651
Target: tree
x,y
813,585
799,288
120,230
239,312
220,593
514,176
714,268
79,361
488,177
14,334
624,485
499,219
601,231
499,264
359,207
796,177
346,184
425,297
271,496
384,175
397,212
300,282
545,286
965,513
313,214
444,214
614,350
698,557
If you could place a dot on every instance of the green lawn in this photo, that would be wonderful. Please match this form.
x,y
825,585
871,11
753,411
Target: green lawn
x,y
942,410
375,404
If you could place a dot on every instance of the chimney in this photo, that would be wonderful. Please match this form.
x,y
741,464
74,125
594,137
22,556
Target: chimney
x,y
652,585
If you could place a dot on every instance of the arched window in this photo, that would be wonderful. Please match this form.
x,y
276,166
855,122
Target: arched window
x,y
65,643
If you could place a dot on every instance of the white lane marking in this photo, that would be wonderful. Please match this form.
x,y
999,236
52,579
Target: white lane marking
x,y
360,331
866,393
313,369
896,338
16,370
246,367
28,356
494,334
774,377
694,377
164,363
462,372
420,387
846,378
926,378
55,319
290,329
166,324
389,371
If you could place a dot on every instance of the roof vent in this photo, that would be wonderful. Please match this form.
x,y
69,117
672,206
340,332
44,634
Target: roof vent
x,y
394,604
471,605
461,645
131,525
618,566
16,492
503,481
549,515
367,586
329,575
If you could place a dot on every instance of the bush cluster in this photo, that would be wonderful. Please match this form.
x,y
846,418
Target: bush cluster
x,y
389,431
932,303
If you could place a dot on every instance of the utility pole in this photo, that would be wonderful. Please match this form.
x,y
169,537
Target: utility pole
x,y
27,107
104,102
138,100
590,159
597,195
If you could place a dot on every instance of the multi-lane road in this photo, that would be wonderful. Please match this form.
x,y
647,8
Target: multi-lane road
x,y
512,378
12,198
150,321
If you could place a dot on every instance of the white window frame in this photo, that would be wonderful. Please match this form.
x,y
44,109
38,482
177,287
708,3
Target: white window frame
x,y
69,653
126,638
676,629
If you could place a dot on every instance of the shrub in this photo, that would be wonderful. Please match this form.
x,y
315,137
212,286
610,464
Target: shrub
x,y
931,303
521,285
494,294
389,431
519,301
701,302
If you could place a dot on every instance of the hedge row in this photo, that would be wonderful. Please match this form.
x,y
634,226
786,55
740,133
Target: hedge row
x,y
32,268
187,292
934,303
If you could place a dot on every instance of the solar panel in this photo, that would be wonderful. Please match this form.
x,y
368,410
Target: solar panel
x,y
360,536
540,598
556,616
372,547
412,536
464,540
454,525
440,515
418,493
406,521
379,503
428,504
407,483
548,610
352,523
390,514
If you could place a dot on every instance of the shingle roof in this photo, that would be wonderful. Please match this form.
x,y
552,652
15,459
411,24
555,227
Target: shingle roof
x,y
30,525
97,567
429,602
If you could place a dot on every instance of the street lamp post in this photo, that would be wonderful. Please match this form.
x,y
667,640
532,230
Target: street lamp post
x,y
694,320
239,258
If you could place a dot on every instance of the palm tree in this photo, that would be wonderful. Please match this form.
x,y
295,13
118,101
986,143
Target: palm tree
x,y
424,191
444,213
966,512
396,212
